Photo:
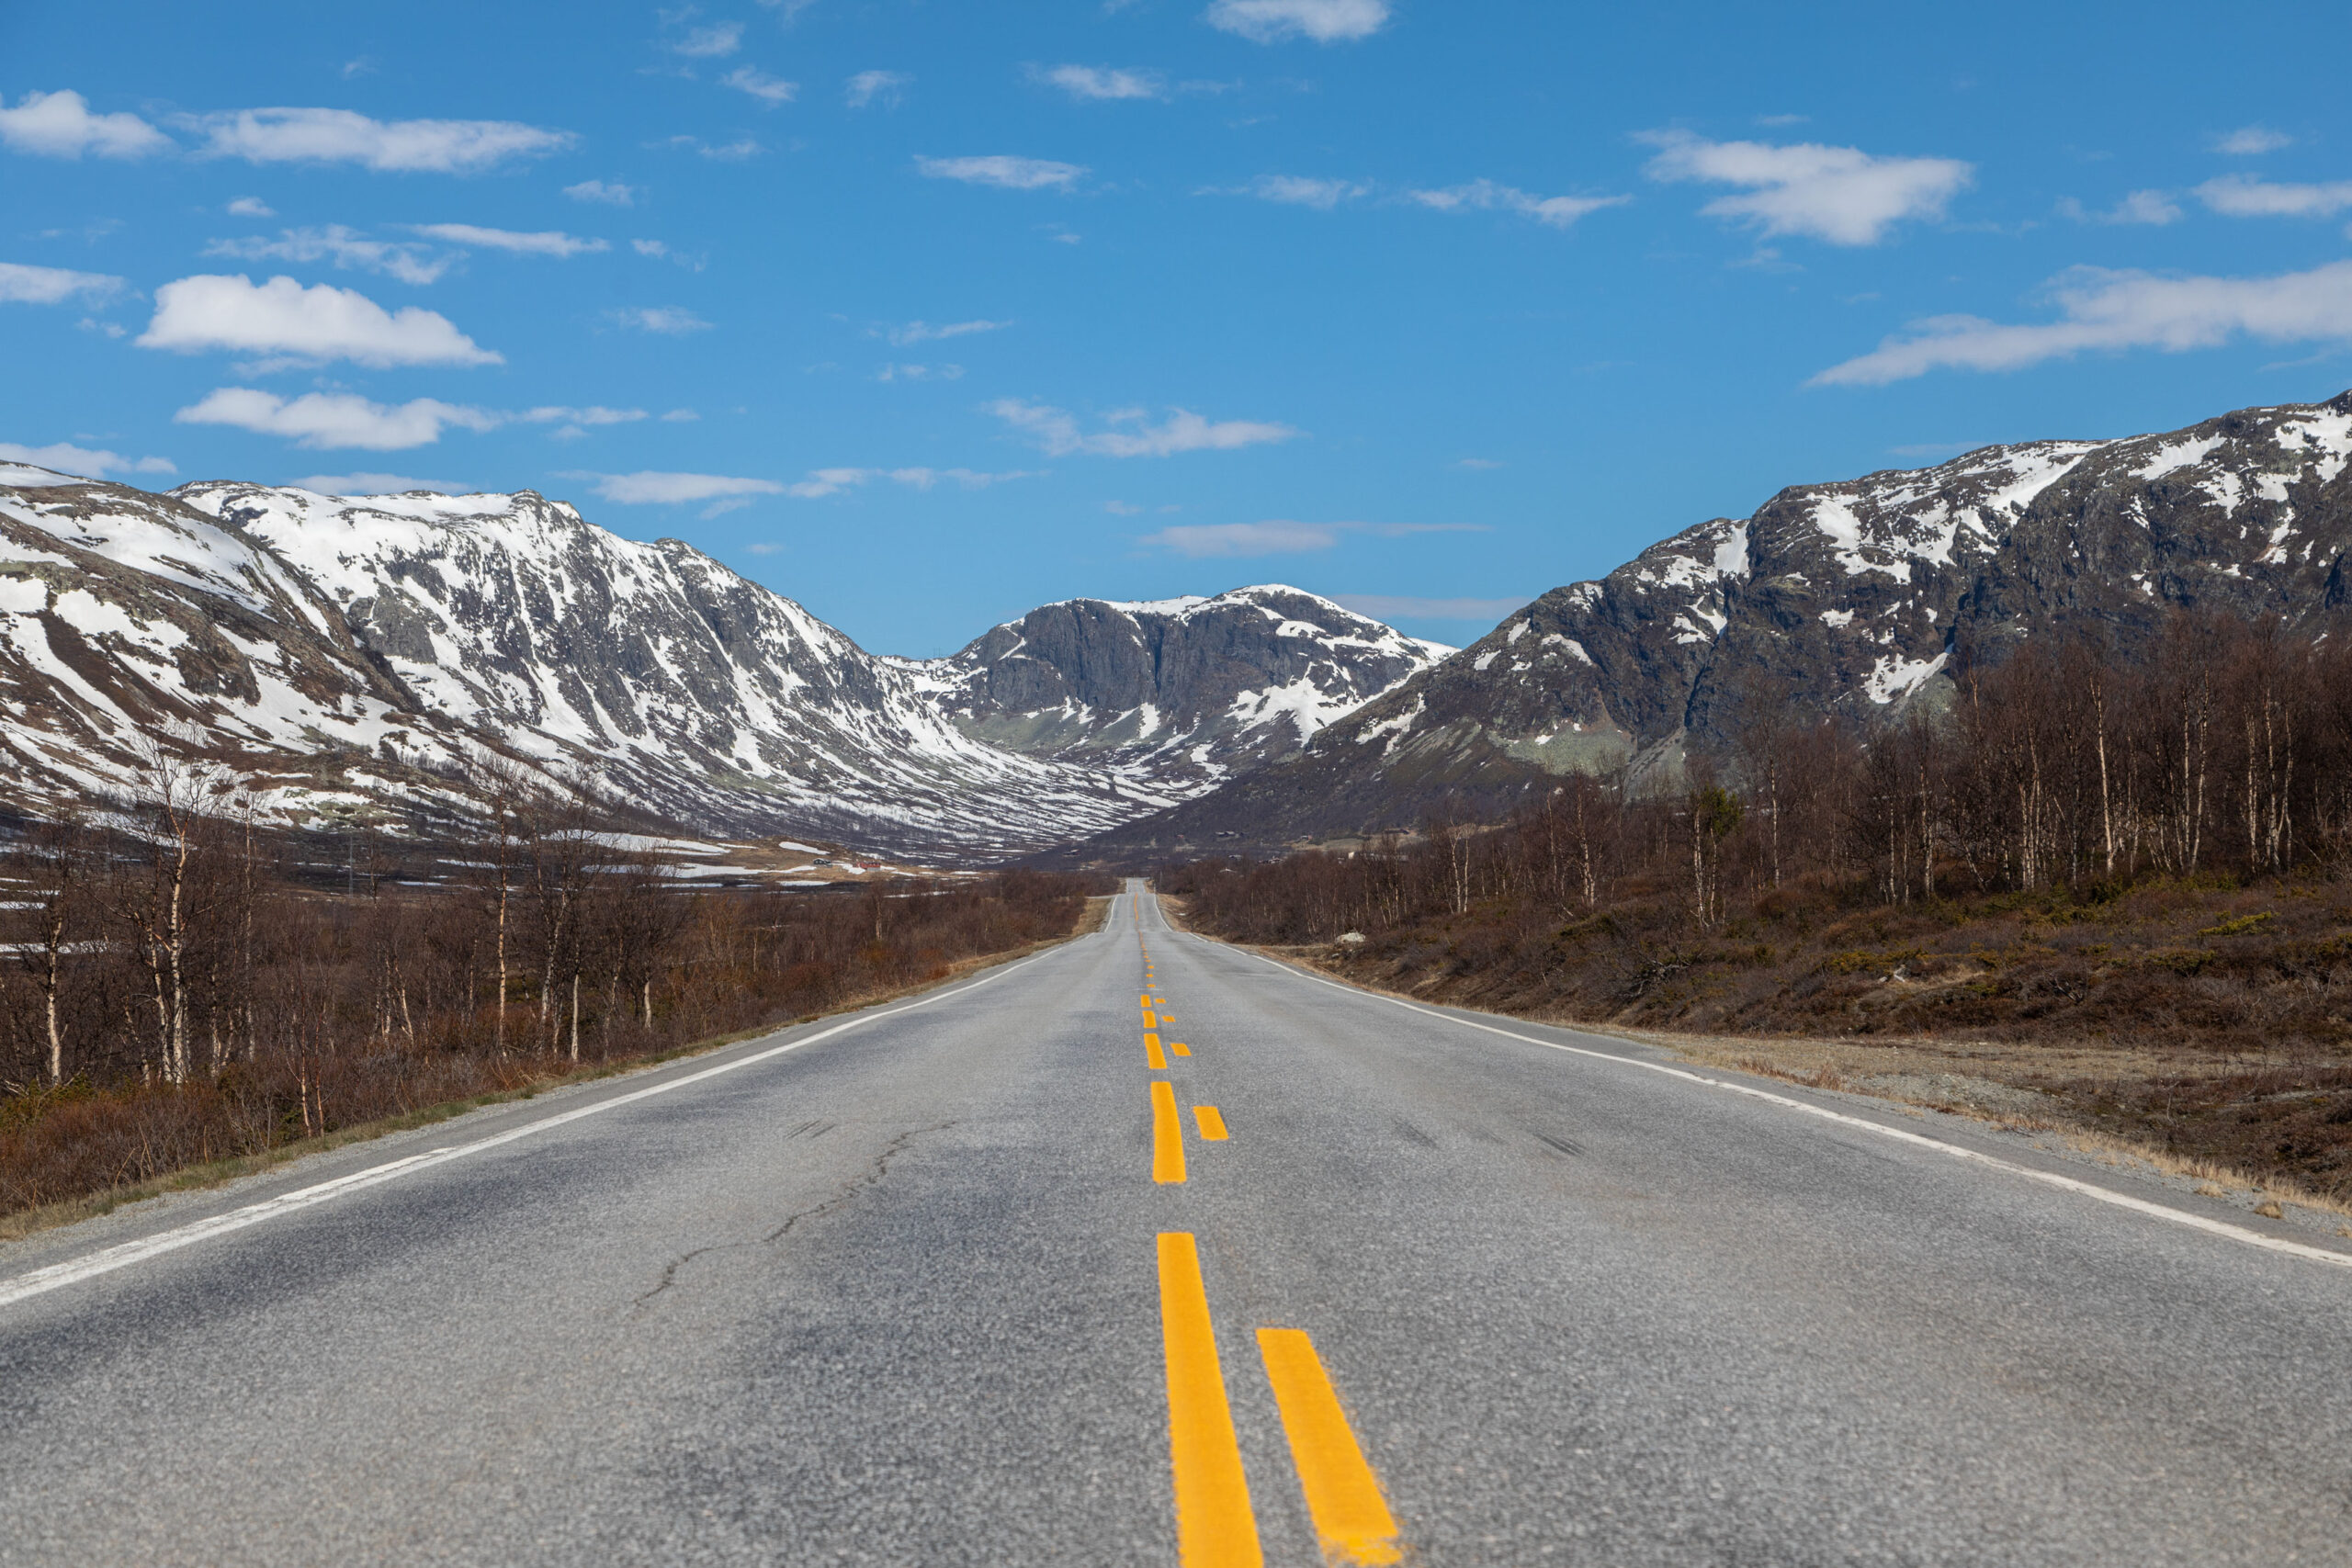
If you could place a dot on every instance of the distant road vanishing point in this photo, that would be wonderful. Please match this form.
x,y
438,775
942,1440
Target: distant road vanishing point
x,y
1149,1249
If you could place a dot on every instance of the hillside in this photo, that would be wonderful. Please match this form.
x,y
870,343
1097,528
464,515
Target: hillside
x,y
1854,598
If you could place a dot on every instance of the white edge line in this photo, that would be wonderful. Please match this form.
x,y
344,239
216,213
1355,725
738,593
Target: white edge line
x,y
56,1276
2086,1189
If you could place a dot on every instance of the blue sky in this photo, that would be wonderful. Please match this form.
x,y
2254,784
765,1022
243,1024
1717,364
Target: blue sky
x,y
926,314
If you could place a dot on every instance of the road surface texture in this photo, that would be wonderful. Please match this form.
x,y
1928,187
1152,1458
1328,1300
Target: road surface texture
x,y
957,1282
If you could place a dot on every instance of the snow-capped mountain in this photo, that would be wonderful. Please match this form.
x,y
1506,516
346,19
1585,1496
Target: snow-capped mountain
x,y
1846,596
365,656
1181,693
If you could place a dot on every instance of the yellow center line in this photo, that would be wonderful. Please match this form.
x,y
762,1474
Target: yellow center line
x,y
1153,1055
1148,1020
1214,1528
1167,1134
1146,998
1352,1519
1212,1123
1178,1048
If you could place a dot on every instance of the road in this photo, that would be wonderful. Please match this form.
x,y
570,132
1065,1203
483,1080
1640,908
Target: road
x,y
926,1289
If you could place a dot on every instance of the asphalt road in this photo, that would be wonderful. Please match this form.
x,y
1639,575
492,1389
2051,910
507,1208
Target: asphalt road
x,y
920,1291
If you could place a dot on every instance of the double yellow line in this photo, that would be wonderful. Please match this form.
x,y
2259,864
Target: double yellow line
x,y
1216,1526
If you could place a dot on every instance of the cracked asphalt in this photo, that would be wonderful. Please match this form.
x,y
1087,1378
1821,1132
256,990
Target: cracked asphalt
x,y
891,1298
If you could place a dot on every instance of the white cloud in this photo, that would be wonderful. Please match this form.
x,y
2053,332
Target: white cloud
x,y
1058,433
2152,207
670,321
251,206
733,151
1558,211
723,492
1101,83
70,460
679,416
1298,190
1282,536
764,547
923,332
885,87
611,194
1006,172
334,419
649,248
822,483
1395,607
544,242
1842,195
2252,141
1325,21
378,484
711,43
51,284
576,423
2116,310
1480,463
920,373
2243,196
321,323
340,136
59,125
344,247
769,90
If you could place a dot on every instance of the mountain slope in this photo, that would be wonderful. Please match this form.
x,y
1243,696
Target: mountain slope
x,y
683,687
1180,694
1844,597
365,656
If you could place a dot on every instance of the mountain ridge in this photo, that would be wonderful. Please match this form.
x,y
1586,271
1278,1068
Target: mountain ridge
x,y
1841,597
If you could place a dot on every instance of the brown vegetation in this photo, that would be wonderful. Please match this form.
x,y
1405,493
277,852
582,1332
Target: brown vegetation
x,y
2123,891
179,988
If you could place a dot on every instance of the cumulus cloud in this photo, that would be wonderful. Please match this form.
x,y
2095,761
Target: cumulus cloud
x,y
1005,172
334,419
869,87
2116,310
59,125
2252,141
321,323
1325,21
1842,195
378,484
721,492
544,242
2152,206
822,483
611,193
345,247
1282,536
670,321
711,43
66,458
340,135
769,90
1058,433
2243,196
250,206
1397,607
1300,190
1485,195
1099,84
22,284
923,332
